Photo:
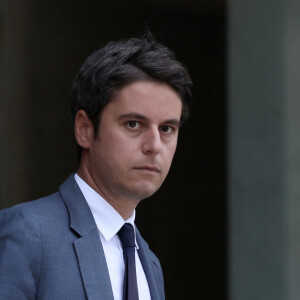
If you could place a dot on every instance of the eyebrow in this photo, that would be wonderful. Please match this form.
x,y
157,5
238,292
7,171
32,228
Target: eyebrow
x,y
136,116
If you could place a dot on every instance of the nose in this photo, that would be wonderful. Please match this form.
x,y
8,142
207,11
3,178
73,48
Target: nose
x,y
152,141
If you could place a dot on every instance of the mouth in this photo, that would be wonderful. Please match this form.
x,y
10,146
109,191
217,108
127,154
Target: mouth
x,y
147,168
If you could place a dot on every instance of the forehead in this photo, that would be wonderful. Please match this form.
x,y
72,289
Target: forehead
x,y
150,98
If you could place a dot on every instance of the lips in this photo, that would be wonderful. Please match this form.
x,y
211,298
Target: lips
x,y
148,168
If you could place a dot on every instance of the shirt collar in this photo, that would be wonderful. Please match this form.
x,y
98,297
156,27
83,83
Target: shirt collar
x,y
107,219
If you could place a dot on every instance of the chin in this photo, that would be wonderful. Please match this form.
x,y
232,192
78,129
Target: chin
x,y
146,190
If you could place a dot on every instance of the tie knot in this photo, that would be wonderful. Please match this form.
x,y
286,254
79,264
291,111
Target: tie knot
x,y
126,235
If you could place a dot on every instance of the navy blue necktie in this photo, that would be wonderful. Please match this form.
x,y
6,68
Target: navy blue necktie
x,y
126,235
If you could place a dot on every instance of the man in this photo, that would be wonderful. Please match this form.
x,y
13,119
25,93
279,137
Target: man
x,y
129,99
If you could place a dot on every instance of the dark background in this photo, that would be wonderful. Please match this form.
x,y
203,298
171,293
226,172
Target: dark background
x,y
185,222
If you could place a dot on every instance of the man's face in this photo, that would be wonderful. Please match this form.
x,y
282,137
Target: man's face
x,y
134,147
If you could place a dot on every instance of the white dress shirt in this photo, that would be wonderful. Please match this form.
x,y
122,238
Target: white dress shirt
x,y
109,222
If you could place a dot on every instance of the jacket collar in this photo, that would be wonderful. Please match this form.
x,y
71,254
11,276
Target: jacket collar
x,y
154,278
90,252
88,247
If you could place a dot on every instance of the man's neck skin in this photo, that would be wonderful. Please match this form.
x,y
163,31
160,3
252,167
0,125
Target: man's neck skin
x,y
123,206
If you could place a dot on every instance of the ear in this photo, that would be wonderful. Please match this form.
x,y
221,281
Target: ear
x,y
84,129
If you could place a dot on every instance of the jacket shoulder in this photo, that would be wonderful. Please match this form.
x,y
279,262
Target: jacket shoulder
x,y
36,210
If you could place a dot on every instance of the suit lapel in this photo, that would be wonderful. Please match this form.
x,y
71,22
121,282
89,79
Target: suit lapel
x,y
93,267
88,247
147,264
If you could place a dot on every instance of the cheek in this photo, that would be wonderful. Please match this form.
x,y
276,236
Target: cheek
x,y
122,149
169,154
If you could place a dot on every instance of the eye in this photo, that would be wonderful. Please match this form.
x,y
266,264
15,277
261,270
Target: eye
x,y
133,124
167,129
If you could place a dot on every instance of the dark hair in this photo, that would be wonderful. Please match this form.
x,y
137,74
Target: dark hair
x,y
109,69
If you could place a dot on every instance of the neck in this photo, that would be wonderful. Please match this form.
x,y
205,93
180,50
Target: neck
x,y
123,206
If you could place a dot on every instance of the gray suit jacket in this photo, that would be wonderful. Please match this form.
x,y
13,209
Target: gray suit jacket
x,y
50,249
